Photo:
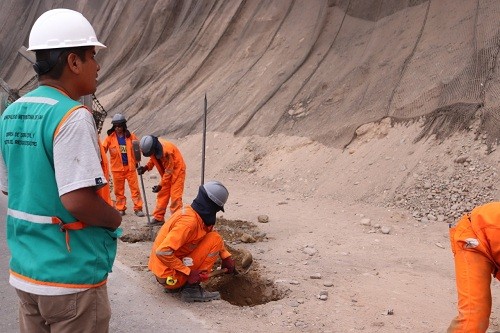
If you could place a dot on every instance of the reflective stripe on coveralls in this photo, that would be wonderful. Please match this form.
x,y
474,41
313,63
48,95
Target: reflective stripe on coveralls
x,y
475,242
184,235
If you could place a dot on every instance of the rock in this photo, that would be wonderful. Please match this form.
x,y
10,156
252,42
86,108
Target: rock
x,y
316,276
366,222
461,159
309,250
246,238
263,218
385,230
323,295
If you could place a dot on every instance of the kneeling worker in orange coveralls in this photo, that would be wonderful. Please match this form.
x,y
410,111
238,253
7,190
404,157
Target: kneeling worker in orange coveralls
x,y
475,242
187,247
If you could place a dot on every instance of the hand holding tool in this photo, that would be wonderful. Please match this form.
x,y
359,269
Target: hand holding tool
x,y
141,170
228,264
196,276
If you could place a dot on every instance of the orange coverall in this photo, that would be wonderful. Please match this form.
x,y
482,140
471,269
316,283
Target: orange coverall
x,y
184,235
104,192
173,173
475,242
123,172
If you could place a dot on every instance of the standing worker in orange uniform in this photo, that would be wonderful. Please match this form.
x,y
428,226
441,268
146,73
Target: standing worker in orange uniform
x,y
475,242
123,164
167,159
187,247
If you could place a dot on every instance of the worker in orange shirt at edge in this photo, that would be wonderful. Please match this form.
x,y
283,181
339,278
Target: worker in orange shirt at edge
x,y
475,242
186,247
123,164
168,160
105,191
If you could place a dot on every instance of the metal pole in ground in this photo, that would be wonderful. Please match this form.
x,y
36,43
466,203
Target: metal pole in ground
x,y
204,140
137,155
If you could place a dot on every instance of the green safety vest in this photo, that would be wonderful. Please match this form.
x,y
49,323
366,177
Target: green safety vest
x,y
41,252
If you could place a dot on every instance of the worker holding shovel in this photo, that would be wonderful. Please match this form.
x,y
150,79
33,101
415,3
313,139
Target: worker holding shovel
x,y
168,160
186,247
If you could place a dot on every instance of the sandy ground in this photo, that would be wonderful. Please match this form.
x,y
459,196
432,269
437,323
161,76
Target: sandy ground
x,y
332,231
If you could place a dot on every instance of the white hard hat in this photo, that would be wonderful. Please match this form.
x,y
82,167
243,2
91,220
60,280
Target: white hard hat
x,y
62,28
118,119
216,192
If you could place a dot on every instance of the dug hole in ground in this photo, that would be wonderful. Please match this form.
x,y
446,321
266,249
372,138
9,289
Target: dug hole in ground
x,y
352,240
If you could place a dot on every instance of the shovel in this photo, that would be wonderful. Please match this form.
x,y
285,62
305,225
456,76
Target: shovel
x,y
137,155
246,262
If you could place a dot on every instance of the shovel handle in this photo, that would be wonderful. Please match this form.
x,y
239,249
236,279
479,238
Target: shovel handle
x,y
211,274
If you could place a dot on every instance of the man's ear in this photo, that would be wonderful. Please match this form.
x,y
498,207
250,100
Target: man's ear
x,y
74,63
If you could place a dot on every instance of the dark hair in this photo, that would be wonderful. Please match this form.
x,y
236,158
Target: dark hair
x,y
51,62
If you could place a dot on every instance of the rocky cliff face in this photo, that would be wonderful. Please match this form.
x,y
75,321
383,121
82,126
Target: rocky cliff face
x,y
315,68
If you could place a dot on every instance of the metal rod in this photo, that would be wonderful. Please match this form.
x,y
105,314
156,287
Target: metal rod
x,y
204,141
137,154
144,196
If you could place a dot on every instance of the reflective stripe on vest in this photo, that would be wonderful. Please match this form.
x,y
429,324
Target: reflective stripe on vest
x,y
65,227
37,100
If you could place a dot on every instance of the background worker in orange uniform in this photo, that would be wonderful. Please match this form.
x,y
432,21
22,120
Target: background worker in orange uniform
x,y
123,164
187,247
168,160
105,191
475,242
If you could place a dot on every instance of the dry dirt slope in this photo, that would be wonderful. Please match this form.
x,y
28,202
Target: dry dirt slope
x,y
316,68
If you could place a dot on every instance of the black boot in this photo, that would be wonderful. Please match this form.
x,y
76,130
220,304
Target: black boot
x,y
195,293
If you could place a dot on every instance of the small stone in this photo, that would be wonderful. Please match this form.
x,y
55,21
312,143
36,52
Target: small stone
x,y
263,218
385,230
309,250
366,222
316,276
246,238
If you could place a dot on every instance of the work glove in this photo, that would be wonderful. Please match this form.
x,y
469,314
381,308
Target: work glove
x,y
197,276
156,188
228,264
141,170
